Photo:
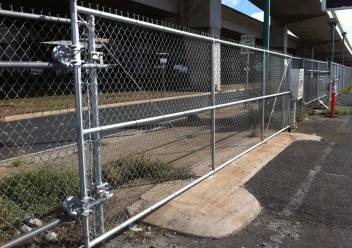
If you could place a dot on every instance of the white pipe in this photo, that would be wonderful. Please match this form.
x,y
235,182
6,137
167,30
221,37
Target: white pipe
x,y
174,115
33,16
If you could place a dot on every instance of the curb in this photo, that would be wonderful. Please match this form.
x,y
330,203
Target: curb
x,y
72,110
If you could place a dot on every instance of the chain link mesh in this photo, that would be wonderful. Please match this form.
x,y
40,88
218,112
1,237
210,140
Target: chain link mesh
x,y
150,77
38,159
316,80
341,75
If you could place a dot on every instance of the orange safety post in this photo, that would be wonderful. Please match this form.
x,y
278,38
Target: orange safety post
x,y
333,99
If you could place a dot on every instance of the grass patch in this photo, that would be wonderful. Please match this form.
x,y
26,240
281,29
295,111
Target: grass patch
x,y
255,131
341,110
11,217
346,90
302,115
21,160
40,189
34,190
133,167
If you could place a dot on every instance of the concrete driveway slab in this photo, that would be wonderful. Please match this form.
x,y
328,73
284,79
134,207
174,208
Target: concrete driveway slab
x,y
220,205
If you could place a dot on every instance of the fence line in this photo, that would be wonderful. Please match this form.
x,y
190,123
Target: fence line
x,y
157,110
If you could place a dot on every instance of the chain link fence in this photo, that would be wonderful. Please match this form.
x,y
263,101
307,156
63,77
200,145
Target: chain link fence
x,y
341,74
122,113
316,79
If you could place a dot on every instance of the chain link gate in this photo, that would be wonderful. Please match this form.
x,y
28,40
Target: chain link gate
x,y
158,108
175,129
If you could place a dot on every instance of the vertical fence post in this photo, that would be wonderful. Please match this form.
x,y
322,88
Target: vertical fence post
x,y
342,78
79,120
288,106
294,112
330,78
318,80
263,93
213,102
97,177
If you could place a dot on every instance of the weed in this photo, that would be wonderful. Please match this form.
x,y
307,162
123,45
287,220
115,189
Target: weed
x,y
34,190
11,217
39,190
18,162
301,115
140,166
21,160
341,110
255,131
346,90
104,143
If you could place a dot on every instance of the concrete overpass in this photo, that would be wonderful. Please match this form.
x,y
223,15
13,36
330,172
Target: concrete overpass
x,y
306,20
303,17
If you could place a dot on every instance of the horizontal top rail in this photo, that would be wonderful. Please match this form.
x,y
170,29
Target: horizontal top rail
x,y
33,16
339,65
128,20
174,115
311,60
317,71
47,65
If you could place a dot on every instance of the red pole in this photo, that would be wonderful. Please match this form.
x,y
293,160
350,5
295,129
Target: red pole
x,y
333,93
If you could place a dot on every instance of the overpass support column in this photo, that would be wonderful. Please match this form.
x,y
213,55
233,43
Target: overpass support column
x,y
279,38
266,34
205,16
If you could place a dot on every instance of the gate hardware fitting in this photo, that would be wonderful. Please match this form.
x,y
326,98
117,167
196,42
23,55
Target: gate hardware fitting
x,y
98,56
103,192
73,206
66,55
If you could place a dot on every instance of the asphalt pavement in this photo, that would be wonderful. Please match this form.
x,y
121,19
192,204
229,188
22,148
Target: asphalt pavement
x,y
305,193
38,134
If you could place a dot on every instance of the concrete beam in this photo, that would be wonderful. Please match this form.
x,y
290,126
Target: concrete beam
x,y
237,22
171,6
203,15
292,42
279,39
291,20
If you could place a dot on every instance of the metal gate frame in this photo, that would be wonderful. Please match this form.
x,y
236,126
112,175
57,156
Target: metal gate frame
x,y
86,201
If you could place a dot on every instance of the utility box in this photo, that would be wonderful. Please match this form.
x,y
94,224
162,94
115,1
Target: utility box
x,y
296,83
